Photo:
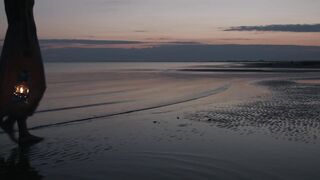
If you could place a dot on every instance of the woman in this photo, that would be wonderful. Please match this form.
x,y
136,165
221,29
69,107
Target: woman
x,y
20,62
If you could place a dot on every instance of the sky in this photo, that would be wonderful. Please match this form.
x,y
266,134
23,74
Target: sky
x,y
202,21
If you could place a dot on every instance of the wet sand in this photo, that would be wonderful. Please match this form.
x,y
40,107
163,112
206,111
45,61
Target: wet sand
x,y
173,121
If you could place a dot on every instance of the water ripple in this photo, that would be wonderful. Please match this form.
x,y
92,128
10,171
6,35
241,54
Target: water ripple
x,y
168,165
56,152
292,113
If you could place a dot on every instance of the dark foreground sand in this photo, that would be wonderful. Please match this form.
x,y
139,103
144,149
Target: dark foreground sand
x,y
172,121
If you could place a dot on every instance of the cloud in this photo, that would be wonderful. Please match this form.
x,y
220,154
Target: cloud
x,y
141,31
84,43
87,42
279,28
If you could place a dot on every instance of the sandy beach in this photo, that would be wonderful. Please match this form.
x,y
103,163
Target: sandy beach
x,y
173,121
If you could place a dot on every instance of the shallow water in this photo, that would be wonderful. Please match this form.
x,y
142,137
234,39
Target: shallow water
x,y
291,112
159,121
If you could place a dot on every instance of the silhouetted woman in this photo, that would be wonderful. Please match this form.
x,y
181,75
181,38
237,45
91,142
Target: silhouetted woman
x,y
22,78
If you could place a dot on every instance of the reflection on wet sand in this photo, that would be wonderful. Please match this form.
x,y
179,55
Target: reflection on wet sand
x,y
17,166
126,124
292,112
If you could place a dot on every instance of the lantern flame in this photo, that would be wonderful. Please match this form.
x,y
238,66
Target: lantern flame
x,y
21,91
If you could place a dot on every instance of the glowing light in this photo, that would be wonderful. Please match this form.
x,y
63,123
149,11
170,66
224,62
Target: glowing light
x,y
21,92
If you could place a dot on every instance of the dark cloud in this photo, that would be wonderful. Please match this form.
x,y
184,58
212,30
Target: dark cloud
x,y
183,43
87,42
234,39
141,31
279,27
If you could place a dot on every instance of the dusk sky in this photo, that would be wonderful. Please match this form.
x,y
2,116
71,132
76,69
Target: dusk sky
x,y
204,21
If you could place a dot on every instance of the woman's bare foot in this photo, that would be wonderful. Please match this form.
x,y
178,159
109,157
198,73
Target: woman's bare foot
x,y
25,138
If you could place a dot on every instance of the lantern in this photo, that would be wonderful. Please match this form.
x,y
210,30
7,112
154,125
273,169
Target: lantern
x,y
21,89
